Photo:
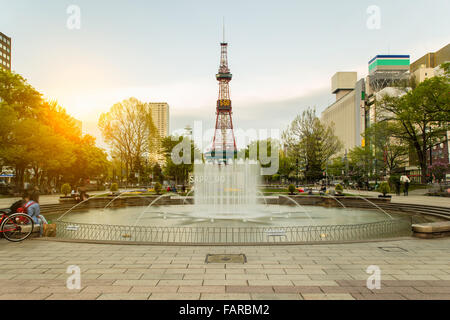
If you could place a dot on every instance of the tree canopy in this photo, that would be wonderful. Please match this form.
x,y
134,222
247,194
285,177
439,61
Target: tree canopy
x,y
311,143
129,129
40,140
421,116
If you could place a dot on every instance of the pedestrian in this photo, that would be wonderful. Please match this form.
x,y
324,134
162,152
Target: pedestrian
x,y
397,187
405,180
406,186
33,209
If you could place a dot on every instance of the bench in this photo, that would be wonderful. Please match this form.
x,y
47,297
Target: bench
x,y
432,230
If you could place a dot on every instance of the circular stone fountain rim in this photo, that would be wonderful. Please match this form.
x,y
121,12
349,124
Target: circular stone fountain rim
x,y
385,229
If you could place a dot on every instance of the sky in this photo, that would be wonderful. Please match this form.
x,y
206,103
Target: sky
x,y
282,53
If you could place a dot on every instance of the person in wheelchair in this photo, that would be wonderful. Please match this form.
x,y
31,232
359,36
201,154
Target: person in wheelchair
x,y
32,208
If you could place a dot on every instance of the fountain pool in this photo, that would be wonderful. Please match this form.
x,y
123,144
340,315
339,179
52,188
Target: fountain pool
x,y
199,216
227,208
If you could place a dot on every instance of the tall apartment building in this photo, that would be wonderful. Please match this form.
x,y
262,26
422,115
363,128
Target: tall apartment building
x,y
5,52
160,115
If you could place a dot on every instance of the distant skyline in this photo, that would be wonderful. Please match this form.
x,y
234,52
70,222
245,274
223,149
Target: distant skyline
x,y
282,54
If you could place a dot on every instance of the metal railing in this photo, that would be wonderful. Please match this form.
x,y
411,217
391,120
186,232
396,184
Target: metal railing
x,y
232,235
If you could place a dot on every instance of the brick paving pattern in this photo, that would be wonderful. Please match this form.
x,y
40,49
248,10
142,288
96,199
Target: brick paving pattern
x,y
36,269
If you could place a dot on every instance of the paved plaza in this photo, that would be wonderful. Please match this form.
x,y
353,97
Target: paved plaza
x,y
410,269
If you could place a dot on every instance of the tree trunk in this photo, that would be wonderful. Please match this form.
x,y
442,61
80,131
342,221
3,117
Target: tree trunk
x,y
20,172
36,176
423,163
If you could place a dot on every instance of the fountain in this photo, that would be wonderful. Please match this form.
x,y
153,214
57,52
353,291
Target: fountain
x,y
226,191
225,195
226,206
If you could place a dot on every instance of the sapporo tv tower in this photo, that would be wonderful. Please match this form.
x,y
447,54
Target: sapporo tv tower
x,y
224,143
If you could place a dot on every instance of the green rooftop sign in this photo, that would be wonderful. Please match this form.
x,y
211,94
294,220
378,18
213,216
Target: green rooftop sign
x,y
378,61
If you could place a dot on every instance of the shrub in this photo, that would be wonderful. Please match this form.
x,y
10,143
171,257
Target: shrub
x,y
338,188
114,187
384,188
158,188
65,189
394,181
291,189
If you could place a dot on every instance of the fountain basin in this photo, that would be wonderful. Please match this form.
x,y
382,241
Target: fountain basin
x,y
270,223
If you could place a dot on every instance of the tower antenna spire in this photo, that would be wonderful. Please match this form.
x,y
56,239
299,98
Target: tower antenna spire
x,y
223,25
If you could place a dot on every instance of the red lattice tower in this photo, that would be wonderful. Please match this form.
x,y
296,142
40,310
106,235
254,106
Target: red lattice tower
x,y
224,143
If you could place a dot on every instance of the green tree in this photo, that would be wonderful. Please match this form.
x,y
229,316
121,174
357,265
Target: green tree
x,y
263,153
286,166
129,129
65,189
40,140
420,116
311,143
18,101
178,172
158,188
439,169
384,188
89,160
389,153
291,189
336,167
157,173
19,95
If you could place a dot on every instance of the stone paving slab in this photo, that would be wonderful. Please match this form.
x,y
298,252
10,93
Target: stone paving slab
x,y
75,296
226,296
37,270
